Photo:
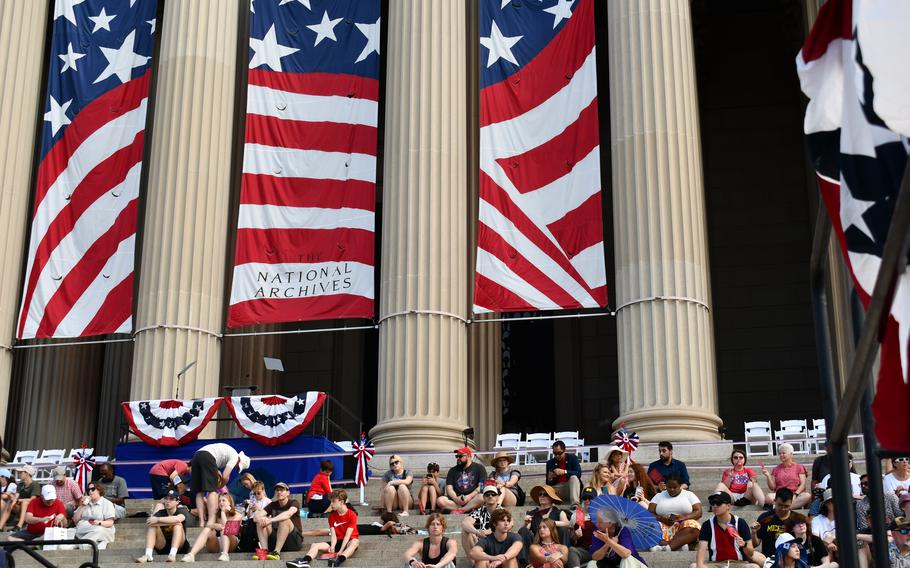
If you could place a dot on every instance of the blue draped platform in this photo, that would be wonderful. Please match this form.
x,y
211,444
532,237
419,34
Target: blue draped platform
x,y
267,463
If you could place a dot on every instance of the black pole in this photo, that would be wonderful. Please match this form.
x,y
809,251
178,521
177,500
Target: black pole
x,y
844,515
875,493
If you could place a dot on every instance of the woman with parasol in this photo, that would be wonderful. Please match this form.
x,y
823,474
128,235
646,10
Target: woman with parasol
x,y
612,545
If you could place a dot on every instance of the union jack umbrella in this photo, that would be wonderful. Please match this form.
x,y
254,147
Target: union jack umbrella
x,y
626,440
84,463
363,453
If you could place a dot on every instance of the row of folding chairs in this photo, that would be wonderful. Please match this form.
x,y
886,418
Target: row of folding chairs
x,y
536,447
46,460
804,438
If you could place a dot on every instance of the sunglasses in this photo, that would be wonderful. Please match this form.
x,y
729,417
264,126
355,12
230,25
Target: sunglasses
x,y
92,488
900,460
904,530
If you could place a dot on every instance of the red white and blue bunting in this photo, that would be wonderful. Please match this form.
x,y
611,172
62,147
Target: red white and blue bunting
x,y
271,419
363,453
169,422
83,463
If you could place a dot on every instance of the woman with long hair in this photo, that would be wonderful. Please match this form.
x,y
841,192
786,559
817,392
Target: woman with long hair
x,y
221,535
547,551
639,486
506,479
617,470
600,479
788,553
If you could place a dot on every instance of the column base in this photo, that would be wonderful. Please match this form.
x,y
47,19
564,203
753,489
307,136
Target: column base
x,y
417,435
673,424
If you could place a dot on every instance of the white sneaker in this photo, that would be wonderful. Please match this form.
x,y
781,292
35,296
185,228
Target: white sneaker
x,y
667,548
656,548
144,558
404,514
188,558
224,557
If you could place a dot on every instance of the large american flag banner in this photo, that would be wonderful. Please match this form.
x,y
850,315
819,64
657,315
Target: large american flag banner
x,y
79,271
853,68
305,232
540,243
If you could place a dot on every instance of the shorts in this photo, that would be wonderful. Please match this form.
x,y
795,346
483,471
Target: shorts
x,y
318,506
166,549
292,543
205,472
737,496
670,531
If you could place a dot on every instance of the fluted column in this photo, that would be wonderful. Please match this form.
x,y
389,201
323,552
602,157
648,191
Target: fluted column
x,y
423,287
22,26
181,283
668,385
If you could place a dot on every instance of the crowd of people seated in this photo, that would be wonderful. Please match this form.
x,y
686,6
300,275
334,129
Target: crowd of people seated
x,y
796,529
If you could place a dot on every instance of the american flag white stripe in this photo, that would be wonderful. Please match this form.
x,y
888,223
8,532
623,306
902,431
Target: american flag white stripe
x,y
314,164
311,108
307,205
278,217
78,277
540,243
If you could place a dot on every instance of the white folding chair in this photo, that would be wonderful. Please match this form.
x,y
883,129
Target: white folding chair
x,y
51,457
25,456
758,433
509,442
345,445
817,435
541,442
794,432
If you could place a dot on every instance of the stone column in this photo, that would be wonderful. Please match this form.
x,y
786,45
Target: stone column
x,y
22,26
423,286
181,282
668,385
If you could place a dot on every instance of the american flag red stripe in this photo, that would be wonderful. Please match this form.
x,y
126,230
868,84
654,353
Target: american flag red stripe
x,y
305,244
79,266
540,234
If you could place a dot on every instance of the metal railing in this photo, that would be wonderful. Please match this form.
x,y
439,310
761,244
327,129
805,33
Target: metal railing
x,y
11,546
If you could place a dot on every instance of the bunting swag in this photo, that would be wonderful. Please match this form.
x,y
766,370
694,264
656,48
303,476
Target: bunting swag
x,y
305,232
853,69
540,243
272,420
169,422
79,271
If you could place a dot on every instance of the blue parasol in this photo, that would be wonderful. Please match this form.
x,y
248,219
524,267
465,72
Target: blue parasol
x,y
643,525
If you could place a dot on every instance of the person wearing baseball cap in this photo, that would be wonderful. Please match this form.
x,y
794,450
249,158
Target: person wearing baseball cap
x,y
166,532
279,529
477,525
68,491
899,547
789,553
9,495
463,483
724,536
46,512
26,490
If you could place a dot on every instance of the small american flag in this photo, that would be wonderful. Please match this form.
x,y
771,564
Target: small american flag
x,y
79,272
305,233
540,242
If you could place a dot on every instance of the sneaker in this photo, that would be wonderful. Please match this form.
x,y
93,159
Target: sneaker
x,y
144,558
273,555
261,553
667,548
404,514
656,548
297,563
171,559
188,558
224,557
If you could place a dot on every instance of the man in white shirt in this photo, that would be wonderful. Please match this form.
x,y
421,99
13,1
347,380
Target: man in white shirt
x,y
898,481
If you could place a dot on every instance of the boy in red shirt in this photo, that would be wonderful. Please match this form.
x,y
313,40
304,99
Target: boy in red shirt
x,y
343,536
320,489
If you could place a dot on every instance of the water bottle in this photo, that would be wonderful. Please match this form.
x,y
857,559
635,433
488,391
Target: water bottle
x,y
304,513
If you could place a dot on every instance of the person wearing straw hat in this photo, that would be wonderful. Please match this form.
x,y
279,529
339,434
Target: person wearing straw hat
x,y
545,496
507,478
617,466
212,465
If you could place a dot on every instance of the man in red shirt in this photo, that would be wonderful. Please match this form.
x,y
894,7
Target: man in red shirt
x,y
725,537
343,534
42,513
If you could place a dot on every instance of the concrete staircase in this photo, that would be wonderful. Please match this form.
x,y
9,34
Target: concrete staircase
x,y
375,551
